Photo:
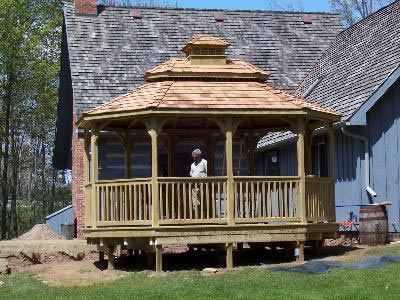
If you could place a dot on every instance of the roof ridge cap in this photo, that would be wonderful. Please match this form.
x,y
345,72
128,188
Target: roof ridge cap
x,y
165,92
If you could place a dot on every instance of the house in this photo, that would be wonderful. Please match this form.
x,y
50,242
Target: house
x,y
208,98
358,76
106,50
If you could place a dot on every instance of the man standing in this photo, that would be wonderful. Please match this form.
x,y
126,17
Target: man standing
x,y
197,169
199,165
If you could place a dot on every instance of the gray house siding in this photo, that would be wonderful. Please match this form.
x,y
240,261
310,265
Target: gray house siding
x,y
384,137
383,132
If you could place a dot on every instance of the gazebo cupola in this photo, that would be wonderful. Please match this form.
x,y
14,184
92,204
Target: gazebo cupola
x,y
206,50
206,60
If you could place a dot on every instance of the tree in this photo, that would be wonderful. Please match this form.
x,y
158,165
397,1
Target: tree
x,y
352,11
29,65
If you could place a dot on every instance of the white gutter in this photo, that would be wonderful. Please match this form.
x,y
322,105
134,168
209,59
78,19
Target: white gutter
x,y
345,131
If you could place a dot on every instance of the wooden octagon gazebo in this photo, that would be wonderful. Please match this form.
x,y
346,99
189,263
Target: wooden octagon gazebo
x,y
208,96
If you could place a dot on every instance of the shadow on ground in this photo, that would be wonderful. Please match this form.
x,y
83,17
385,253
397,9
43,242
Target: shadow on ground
x,y
201,258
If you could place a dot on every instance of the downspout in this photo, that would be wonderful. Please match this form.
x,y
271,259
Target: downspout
x,y
346,132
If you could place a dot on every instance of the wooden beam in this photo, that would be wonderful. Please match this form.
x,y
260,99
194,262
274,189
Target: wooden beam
x,y
158,258
331,141
153,130
308,150
229,256
95,171
86,162
110,255
229,170
301,169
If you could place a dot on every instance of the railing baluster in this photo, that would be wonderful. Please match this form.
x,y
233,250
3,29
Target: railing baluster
x,y
202,201
190,201
167,200
184,200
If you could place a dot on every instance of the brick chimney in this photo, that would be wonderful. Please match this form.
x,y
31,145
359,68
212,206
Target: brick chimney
x,y
85,7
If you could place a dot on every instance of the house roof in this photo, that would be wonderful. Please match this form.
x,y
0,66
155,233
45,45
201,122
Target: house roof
x,y
105,56
353,69
357,63
109,53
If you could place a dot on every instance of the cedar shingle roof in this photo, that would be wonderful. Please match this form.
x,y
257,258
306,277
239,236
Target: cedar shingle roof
x,y
181,67
204,40
181,95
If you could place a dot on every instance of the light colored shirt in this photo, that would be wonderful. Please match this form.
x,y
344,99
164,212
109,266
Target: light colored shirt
x,y
199,169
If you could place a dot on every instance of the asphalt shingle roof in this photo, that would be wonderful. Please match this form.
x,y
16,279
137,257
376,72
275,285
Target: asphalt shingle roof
x,y
109,53
360,59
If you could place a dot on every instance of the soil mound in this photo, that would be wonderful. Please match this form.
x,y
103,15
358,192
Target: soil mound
x,y
40,232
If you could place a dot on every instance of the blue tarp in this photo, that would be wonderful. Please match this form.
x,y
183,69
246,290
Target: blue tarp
x,y
323,266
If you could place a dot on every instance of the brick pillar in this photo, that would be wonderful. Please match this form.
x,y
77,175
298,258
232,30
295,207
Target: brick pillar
x,y
85,7
78,188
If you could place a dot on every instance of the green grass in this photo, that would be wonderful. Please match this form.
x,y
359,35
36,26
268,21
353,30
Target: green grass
x,y
243,283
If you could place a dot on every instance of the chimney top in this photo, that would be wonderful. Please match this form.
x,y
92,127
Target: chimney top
x,y
306,19
137,13
219,17
85,7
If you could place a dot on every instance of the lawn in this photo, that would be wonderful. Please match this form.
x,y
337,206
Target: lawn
x,y
241,283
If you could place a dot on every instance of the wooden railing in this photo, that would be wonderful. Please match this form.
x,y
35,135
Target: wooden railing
x,y
124,202
192,200
266,199
257,199
320,204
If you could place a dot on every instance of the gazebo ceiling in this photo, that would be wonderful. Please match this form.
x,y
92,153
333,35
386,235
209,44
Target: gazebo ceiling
x,y
205,82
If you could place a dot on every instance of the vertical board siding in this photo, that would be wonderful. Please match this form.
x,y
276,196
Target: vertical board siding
x,y
64,216
384,136
288,160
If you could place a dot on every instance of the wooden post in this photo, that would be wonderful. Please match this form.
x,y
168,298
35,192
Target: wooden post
x,y
86,162
101,256
331,138
95,172
110,255
229,256
158,258
300,246
301,170
153,132
229,171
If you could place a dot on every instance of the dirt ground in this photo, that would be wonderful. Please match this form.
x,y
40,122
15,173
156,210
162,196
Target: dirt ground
x,y
62,270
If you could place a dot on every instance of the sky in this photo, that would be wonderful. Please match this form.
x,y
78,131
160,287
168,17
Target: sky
x,y
304,5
